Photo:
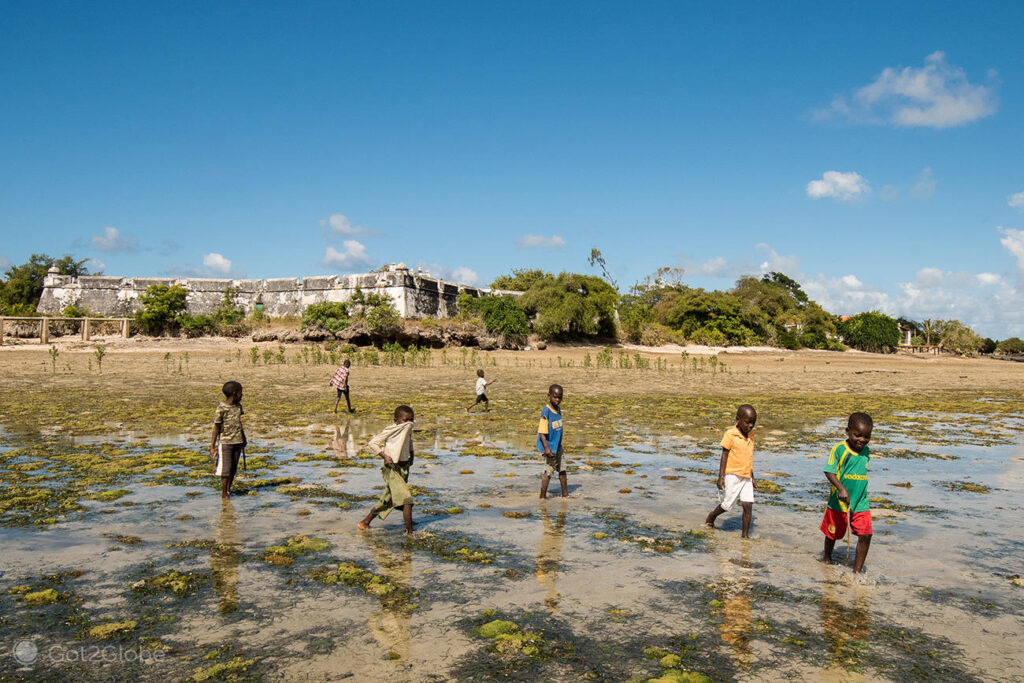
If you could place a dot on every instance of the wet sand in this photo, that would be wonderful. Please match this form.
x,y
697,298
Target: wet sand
x,y
621,580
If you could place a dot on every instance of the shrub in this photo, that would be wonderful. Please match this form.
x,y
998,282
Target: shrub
x,y
501,314
383,320
162,307
196,325
1013,345
329,315
571,305
959,338
73,311
871,331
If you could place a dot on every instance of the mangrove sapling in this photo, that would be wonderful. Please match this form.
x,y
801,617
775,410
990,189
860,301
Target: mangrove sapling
x,y
99,352
53,358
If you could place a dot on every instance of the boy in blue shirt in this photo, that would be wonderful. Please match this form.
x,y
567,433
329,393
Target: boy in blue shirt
x,y
549,441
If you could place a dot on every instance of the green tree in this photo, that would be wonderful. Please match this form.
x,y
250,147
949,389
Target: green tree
x,y
383,320
329,315
501,314
1013,345
871,331
23,285
162,308
960,338
520,280
571,304
789,284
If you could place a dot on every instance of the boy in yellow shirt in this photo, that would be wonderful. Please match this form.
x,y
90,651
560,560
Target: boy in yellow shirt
x,y
736,468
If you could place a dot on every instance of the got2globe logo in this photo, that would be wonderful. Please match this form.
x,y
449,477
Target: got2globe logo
x,y
25,652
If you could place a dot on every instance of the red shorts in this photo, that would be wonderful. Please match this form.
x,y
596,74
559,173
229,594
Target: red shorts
x,y
834,524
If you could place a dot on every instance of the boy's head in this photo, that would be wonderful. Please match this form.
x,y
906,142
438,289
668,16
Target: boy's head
x,y
232,390
347,363
555,395
746,418
858,431
403,414
479,373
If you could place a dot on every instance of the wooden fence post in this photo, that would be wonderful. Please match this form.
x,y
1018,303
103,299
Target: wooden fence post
x,y
1,329
86,332
44,331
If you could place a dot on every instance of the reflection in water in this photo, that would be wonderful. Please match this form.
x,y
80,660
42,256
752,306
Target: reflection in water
x,y
549,554
390,626
846,628
224,559
343,444
734,591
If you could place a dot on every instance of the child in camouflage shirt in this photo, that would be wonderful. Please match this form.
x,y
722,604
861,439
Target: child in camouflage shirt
x,y
227,427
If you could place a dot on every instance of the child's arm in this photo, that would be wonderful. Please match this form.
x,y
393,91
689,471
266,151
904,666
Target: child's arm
x,y
412,453
547,449
844,495
213,440
721,468
491,382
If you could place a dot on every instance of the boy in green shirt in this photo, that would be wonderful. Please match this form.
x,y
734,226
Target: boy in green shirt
x,y
847,471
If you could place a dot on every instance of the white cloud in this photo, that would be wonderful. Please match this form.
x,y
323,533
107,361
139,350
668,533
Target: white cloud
x,y
95,266
354,255
775,262
339,224
110,240
1016,201
4,262
936,95
217,264
712,267
843,187
889,193
989,279
925,185
929,277
538,241
846,295
461,274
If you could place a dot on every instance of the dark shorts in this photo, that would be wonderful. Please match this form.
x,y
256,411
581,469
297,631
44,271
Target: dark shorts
x,y
481,397
227,459
834,524
342,392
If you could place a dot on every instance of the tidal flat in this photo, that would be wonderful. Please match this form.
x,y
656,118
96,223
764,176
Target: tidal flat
x,y
121,561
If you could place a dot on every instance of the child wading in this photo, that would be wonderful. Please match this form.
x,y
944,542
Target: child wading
x,y
394,446
736,468
481,392
340,382
847,471
549,441
227,425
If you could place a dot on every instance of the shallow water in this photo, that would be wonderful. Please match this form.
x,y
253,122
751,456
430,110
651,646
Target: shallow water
x,y
619,580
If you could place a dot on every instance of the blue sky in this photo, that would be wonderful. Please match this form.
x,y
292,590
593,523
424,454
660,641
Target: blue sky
x,y
871,151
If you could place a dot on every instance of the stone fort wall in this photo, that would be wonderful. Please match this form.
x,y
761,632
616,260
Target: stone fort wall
x,y
414,293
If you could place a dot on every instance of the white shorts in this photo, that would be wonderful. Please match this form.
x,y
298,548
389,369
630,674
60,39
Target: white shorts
x,y
737,487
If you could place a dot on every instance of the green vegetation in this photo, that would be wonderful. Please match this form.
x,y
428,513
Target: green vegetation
x,y
501,315
571,305
871,331
22,285
329,315
162,309
228,320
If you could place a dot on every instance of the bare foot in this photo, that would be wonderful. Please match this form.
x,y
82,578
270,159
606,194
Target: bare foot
x,y
363,526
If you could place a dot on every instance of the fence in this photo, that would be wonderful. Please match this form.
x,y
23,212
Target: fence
x,y
124,325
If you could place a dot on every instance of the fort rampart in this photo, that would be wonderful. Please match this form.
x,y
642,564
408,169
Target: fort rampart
x,y
415,294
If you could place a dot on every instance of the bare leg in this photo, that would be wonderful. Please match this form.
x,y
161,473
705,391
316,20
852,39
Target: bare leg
x,y
747,510
365,524
336,402
544,481
862,552
487,406
225,487
713,515
563,480
407,518
347,402
830,545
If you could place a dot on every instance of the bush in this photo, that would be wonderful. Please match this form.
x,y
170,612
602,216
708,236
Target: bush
x,y
383,320
959,338
501,314
162,307
73,311
571,305
1013,345
871,331
988,345
329,315
196,325
520,280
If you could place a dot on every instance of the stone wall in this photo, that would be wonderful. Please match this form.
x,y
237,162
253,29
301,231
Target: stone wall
x,y
415,294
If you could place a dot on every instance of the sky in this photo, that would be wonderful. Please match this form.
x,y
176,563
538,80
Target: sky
x,y
872,151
